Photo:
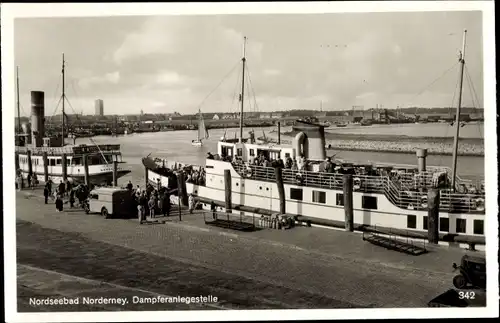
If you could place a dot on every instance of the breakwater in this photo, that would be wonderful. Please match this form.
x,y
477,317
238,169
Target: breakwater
x,y
401,144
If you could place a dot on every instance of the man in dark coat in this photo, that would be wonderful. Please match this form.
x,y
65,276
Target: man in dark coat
x,y
61,189
213,207
130,186
68,186
46,193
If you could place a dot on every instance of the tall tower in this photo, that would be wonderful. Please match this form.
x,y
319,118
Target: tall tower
x,y
99,107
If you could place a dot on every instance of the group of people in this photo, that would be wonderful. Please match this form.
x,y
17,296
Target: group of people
x,y
150,201
65,190
31,180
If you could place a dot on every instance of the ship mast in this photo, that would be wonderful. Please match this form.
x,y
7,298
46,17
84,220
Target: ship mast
x,y
199,123
461,59
63,99
18,106
243,60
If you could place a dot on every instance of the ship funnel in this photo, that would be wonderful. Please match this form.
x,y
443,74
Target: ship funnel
x,y
310,141
37,117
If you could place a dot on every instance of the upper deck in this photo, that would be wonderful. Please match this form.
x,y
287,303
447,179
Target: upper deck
x,y
78,150
403,189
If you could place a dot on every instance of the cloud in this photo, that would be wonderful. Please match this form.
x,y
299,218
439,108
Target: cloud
x,y
271,72
99,80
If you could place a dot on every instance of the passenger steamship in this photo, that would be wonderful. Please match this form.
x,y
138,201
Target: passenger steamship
x,y
48,157
385,196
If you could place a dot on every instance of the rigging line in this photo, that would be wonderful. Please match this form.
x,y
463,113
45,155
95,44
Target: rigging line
x,y
55,109
472,85
447,126
253,90
256,107
222,81
232,106
471,90
432,83
56,97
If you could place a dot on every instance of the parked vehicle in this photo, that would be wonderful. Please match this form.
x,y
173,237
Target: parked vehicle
x,y
111,202
472,272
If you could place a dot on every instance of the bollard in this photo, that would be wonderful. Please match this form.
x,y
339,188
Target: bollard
x,y
181,186
45,167
279,133
64,164
115,173
433,215
86,169
348,202
30,165
421,156
281,189
228,190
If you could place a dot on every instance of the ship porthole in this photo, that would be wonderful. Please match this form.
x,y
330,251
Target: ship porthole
x,y
260,187
237,184
267,188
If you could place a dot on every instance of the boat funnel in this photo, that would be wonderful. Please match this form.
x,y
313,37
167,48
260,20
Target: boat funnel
x,y
421,162
37,117
310,141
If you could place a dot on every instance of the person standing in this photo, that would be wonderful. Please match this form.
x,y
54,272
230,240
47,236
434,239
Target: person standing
x,y
61,189
213,207
166,204
130,186
59,203
68,186
72,198
191,203
28,178
49,186
151,206
46,193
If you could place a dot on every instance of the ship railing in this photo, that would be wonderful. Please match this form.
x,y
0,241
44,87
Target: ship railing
x,y
449,201
399,193
362,183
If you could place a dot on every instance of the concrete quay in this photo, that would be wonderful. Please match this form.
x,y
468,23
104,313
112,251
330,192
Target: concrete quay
x,y
298,268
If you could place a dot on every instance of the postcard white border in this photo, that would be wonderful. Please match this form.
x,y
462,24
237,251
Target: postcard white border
x,y
11,11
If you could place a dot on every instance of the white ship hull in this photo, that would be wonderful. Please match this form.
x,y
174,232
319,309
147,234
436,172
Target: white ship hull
x,y
76,173
264,195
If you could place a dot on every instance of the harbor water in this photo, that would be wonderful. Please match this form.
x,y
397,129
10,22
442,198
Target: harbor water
x,y
176,146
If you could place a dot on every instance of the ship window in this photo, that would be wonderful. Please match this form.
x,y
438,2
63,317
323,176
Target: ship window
x,y
239,152
296,194
411,221
478,227
77,160
461,224
58,161
340,199
319,197
252,152
369,202
444,224
94,196
425,223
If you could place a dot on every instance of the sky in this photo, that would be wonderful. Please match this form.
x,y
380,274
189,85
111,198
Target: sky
x,y
166,64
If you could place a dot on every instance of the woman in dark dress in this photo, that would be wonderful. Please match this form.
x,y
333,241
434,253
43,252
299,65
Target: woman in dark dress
x,y
59,203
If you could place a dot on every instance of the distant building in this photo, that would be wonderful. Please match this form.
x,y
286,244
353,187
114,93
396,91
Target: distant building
x,y
99,107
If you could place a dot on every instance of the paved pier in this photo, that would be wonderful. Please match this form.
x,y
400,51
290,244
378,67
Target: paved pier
x,y
298,268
